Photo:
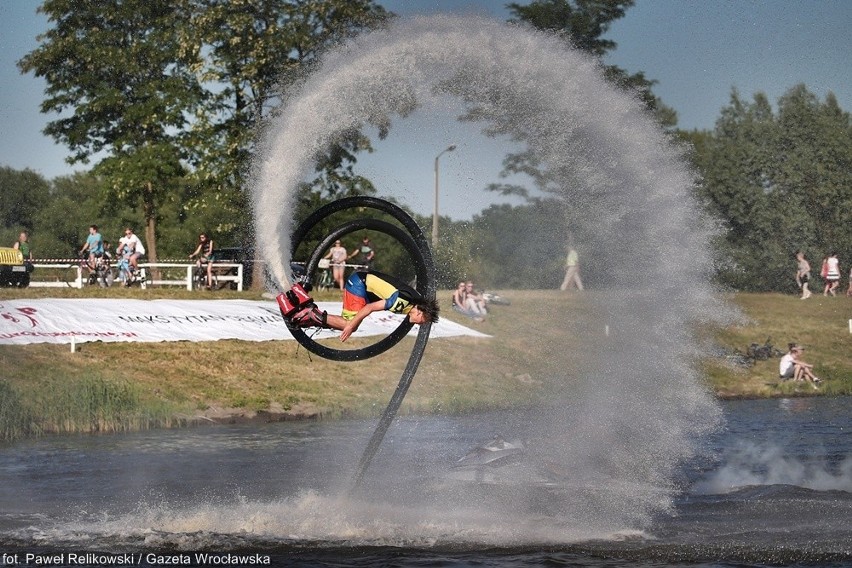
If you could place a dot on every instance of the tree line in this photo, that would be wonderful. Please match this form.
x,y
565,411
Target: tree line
x,y
163,97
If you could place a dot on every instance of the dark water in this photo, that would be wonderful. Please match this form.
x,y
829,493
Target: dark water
x,y
773,488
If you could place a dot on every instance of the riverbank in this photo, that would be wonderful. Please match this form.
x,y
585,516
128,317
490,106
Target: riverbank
x,y
126,386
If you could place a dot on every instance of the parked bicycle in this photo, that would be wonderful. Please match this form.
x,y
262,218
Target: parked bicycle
x,y
325,280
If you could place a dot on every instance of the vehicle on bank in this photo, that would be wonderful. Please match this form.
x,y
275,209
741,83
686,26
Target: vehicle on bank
x,y
13,270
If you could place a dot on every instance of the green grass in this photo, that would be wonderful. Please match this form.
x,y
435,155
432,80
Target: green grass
x,y
107,387
820,323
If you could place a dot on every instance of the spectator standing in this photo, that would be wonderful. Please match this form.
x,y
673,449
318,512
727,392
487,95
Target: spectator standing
x,y
832,274
338,256
366,254
135,249
204,252
572,271
803,274
23,245
94,244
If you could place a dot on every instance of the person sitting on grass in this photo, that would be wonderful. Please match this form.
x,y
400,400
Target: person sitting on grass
x,y
363,294
460,303
793,367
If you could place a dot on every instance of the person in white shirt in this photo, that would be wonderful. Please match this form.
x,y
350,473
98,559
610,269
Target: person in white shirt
x,y
832,274
338,255
793,367
134,246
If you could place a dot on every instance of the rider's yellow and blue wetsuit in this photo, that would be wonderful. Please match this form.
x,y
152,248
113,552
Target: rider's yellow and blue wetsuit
x,y
363,288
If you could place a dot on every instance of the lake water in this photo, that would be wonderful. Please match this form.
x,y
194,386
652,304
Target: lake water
x,y
773,487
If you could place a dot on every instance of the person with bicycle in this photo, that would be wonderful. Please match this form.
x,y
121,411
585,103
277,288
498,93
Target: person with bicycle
x,y
366,254
204,252
132,242
95,246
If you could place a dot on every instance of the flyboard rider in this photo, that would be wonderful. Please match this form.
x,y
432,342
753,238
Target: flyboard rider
x,y
363,294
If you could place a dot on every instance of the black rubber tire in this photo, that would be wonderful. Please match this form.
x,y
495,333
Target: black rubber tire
x,y
414,242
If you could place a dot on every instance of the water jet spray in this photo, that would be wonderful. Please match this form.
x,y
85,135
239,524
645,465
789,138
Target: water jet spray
x,y
639,403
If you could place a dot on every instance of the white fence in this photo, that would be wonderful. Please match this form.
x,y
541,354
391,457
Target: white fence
x,y
71,275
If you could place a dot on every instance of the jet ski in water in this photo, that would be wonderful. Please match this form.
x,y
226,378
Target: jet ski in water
x,y
498,461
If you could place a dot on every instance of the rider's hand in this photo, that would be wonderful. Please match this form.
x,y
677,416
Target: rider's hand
x,y
347,331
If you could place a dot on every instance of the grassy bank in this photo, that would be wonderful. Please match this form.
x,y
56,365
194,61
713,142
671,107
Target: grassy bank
x,y
820,323
118,386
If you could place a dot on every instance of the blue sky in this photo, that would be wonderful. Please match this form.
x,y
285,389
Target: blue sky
x,y
696,50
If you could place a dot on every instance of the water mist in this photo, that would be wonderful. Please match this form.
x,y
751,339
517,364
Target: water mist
x,y
628,192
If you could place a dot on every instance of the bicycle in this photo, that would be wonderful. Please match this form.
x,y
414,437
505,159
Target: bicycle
x,y
326,281
127,274
100,274
199,277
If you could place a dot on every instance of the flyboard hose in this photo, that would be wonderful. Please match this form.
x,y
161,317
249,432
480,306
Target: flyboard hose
x,y
414,242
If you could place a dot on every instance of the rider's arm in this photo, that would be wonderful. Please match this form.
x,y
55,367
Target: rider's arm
x,y
353,324
197,250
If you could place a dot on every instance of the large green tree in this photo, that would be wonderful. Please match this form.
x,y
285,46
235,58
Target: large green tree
x,y
779,182
581,24
22,194
254,51
120,79
165,96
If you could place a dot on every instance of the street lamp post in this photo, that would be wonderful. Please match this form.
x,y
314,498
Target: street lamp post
x,y
449,148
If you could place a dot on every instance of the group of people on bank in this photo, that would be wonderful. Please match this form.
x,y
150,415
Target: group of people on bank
x,y
338,256
467,301
829,273
129,247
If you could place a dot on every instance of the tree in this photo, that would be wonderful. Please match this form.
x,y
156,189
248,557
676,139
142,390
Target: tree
x,y
22,194
779,183
119,75
162,92
489,251
582,23
255,50
62,223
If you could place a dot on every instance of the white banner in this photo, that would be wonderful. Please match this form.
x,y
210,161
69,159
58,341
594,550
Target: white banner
x,y
58,320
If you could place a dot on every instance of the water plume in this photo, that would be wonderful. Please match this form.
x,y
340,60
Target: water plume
x,y
628,193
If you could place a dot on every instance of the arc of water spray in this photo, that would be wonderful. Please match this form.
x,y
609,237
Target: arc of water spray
x,y
629,191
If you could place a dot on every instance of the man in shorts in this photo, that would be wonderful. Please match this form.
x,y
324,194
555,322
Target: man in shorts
x,y
95,246
364,293
135,248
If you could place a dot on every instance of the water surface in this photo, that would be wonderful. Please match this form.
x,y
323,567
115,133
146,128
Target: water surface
x,y
773,487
